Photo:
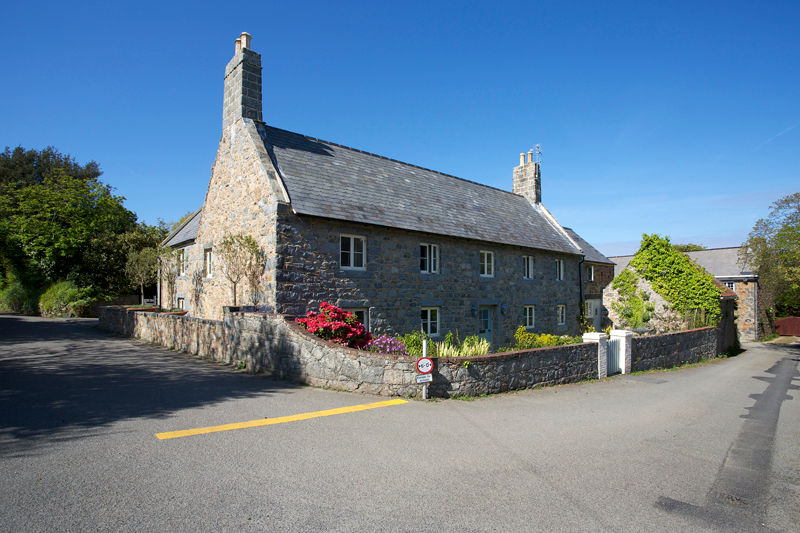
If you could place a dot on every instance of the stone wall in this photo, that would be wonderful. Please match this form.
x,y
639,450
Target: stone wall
x,y
673,349
393,289
525,369
603,274
275,344
746,320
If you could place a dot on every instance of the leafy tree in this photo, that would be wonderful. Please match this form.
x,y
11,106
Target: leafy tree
x,y
141,267
688,247
58,221
772,250
168,267
241,258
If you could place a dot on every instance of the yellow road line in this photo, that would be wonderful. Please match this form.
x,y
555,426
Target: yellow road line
x,y
277,420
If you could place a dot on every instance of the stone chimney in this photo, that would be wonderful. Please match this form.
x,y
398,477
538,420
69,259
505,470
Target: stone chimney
x,y
528,179
242,96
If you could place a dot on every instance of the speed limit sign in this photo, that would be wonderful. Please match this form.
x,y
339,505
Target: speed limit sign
x,y
425,365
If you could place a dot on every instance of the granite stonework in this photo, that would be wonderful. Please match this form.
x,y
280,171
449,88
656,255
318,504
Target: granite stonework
x,y
393,289
673,349
276,344
747,309
603,274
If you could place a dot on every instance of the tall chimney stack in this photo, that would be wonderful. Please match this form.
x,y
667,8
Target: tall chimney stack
x,y
242,94
528,179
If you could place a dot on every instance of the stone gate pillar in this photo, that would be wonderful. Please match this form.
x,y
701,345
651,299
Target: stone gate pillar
x,y
602,354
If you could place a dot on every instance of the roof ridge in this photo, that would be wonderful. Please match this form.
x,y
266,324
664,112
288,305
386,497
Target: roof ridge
x,y
389,159
714,249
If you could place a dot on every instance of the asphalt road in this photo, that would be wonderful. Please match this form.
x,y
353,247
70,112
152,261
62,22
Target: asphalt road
x,y
708,448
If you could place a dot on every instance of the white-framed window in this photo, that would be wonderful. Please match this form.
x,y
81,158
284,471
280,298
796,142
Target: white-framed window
x,y
731,285
429,317
561,314
560,269
362,315
429,258
487,264
208,262
352,252
590,273
181,256
527,266
530,315
181,303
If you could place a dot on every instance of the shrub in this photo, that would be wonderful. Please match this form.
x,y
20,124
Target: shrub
x,y
526,340
385,344
336,325
65,299
413,343
18,298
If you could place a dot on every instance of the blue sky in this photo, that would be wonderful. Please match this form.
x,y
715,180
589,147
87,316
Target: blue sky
x,y
681,119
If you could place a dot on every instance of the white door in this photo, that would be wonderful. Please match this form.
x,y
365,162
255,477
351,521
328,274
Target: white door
x,y
485,323
593,314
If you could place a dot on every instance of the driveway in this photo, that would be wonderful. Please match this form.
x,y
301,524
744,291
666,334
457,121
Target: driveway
x,y
708,448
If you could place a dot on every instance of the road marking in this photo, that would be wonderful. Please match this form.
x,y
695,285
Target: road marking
x,y
277,420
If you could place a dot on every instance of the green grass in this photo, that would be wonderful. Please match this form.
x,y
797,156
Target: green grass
x,y
768,338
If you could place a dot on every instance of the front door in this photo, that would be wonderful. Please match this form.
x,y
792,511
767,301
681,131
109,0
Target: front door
x,y
593,315
485,322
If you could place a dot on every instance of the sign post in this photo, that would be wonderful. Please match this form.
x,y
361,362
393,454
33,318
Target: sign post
x,y
425,369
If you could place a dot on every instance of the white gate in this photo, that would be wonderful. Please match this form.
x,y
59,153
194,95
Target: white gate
x,y
614,351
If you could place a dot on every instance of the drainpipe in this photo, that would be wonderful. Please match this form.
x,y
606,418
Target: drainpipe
x,y
582,309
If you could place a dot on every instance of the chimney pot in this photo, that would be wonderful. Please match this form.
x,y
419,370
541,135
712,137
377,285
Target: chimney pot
x,y
530,156
245,37
521,159
237,48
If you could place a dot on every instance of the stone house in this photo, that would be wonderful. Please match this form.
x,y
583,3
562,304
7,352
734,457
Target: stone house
x,y
723,264
402,246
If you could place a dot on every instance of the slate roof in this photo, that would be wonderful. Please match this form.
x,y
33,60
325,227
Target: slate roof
x,y
591,253
719,262
186,232
328,180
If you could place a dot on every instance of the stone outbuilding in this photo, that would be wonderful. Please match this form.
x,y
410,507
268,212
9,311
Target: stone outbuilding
x,y
724,265
402,246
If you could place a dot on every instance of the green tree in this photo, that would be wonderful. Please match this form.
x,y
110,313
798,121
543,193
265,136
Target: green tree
x,y
772,250
688,247
141,268
241,258
58,221
168,267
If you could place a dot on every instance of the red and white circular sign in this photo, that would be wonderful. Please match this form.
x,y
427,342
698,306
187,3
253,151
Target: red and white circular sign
x,y
425,365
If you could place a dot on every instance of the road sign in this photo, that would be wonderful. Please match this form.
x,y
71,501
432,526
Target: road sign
x,y
425,378
425,365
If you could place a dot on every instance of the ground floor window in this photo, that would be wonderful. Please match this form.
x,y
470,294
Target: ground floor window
x,y
530,316
361,314
561,314
429,317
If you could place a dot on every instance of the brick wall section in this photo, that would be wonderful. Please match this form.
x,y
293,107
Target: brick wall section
x,y
393,288
673,349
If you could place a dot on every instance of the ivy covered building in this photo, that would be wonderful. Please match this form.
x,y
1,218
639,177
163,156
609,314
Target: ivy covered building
x,y
402,246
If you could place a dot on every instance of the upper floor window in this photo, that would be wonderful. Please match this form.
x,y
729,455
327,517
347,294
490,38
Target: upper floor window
x,y
527,266
487,264
429,258
590,273
352,252
208,269
181,303
530,316
560,269
181,256
561,314
429,317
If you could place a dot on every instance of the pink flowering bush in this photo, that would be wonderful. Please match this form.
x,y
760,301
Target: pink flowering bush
x,y
388,345
336,325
